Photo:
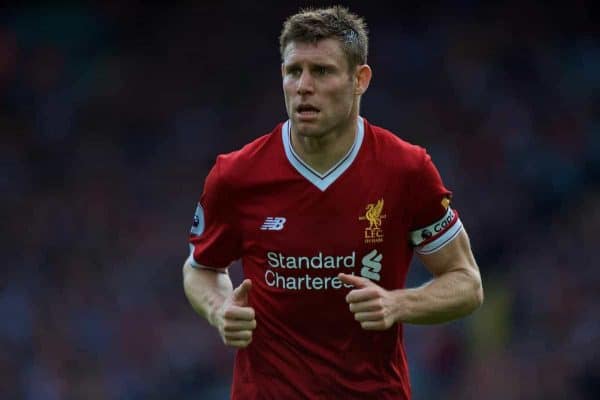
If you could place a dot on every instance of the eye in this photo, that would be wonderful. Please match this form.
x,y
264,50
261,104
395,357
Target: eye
x,y
322,70
294,71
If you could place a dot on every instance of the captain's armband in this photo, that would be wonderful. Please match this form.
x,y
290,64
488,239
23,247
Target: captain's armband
x,y
433,237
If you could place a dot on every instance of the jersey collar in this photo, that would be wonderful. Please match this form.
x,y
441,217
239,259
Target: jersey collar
x,y
322,181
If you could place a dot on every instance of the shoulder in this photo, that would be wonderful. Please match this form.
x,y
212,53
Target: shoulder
x,y
234,165
389,149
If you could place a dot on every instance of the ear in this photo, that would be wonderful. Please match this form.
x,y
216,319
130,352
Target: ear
x,y
362,78
282,70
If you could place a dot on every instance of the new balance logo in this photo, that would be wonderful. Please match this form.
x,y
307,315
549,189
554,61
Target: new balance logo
x,y
372,266
273,224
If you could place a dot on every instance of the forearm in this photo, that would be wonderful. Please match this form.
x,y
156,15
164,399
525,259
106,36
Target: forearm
x,y
449,296
206,290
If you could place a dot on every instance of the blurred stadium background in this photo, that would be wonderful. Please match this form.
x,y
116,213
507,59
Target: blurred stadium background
x,y
111,115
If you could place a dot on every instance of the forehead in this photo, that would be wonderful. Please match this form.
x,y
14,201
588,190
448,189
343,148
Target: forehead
x,y
326,51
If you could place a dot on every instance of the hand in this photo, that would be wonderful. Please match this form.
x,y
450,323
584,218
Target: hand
x,y
236,319
372,305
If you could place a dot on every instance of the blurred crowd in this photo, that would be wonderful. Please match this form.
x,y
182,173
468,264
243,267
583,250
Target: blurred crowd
x,y
112,114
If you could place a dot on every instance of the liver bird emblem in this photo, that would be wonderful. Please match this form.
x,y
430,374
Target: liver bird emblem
x,y
373,214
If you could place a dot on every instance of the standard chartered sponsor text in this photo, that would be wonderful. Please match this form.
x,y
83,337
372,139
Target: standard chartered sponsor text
x,y
303,282
306,281
319,261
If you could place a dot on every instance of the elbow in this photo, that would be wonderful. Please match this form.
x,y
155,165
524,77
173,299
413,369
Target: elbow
x,y
472,291
476,292
479,296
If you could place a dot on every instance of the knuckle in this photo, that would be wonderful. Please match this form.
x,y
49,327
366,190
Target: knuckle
x,y
244,335
232,336
227,337
231,326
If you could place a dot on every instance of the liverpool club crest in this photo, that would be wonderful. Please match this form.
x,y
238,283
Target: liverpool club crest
x,y
373,232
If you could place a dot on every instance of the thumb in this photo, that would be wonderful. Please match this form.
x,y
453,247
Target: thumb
x,y
356,281
240,293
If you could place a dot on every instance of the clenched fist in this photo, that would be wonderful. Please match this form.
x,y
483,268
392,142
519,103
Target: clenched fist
x,y
235,319
372,305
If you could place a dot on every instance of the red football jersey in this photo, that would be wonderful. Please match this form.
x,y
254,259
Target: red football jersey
x,y
294,230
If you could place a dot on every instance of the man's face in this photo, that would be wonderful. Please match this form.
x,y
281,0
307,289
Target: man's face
x,y
318,88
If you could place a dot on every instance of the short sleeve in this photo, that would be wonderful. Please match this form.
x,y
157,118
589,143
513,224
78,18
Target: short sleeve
x,y
214,237
434,223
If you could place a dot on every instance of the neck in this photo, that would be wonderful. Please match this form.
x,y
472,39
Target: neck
x,y
323,152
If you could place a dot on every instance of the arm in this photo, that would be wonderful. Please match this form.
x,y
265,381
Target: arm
x,y
454,292
206,289
211,294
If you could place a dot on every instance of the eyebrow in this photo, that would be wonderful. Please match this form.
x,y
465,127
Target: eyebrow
x,y
311,65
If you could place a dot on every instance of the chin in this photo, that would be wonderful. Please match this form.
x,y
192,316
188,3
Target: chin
x,y
308,130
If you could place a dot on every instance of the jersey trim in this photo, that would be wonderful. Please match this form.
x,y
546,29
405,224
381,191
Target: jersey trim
x,y
195,265
191,258
322,181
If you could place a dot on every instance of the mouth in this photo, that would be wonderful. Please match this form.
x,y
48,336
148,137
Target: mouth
x,y
307,112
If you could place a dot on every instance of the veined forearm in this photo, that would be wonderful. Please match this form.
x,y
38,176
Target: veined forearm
x,y
447,297
206,290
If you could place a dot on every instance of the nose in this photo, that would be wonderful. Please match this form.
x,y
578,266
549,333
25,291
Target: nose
x,y
305,83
